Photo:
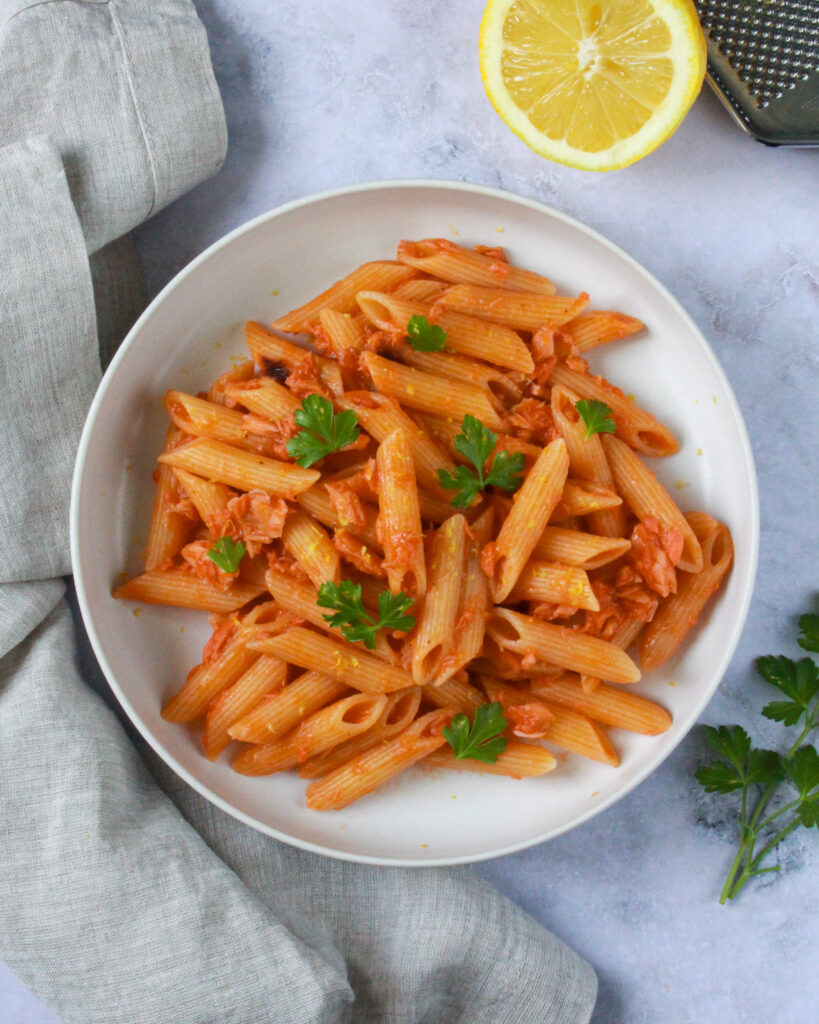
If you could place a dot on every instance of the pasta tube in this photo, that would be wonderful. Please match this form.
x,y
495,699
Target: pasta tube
x,y
518,761
523,311
610,705
265,675
374,767
635,426
400,710
399,517
325,729
358,668
558,645
646,496
276,714
377,276
532,506
436,623
243,470
441,258
428,393
679,612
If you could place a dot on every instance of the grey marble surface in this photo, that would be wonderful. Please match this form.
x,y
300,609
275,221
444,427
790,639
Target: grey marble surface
x,y
320,95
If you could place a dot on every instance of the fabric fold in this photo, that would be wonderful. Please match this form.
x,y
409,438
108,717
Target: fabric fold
x,y
49,366
125,91
465,952
113,909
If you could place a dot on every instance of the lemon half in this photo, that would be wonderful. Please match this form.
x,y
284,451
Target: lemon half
x,y
595,85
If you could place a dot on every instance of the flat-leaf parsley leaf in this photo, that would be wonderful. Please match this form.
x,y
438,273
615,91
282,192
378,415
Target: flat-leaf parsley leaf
x,y
596,417
480,741
476,443
324,431
798,680
809,627
353,619
424,336
227,554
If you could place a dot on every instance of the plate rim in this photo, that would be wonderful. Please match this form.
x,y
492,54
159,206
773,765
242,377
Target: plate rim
x,y
88,428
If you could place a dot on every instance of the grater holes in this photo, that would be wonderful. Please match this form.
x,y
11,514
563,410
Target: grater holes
x,y
771,47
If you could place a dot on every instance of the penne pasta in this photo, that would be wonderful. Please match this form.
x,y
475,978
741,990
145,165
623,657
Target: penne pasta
x,y
587,460
311,547
273,354
468,336
532,506
436,623
301,599
377,276
679,612
381,416
419,289
453,693
506,664
266,675
207,680
170,525
399,517
623,637
342,333
523,311
369,526
635,426
209,498
326,728
400,710
330,656
466,640
374,767
184,590
444,259
243,470
428,393
243,371
518,761
527,717
560,584
574,731
646,496
610,705
581,498
316,501
200,418
499,389
558,645
599,326
573,547
264,397
276,714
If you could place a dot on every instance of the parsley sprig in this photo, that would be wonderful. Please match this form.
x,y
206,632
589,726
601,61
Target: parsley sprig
x,y
596,417
480,741
424,336
757,774
352,618
227,553
324,431
476,443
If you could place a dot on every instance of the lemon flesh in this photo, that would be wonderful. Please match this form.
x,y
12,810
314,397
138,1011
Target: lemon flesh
x,y
590,84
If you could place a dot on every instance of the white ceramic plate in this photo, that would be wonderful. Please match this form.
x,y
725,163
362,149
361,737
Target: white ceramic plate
x,y
186,338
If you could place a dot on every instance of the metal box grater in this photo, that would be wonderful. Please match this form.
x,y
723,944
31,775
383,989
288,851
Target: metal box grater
x,y
763,63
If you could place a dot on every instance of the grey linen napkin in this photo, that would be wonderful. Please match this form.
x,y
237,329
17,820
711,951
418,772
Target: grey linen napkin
x,y
126,898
